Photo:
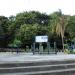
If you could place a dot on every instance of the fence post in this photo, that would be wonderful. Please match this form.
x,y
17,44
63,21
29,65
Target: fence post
x,y
55,47
33,48
48,46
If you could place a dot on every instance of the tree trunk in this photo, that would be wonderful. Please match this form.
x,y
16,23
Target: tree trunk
x,y
63,44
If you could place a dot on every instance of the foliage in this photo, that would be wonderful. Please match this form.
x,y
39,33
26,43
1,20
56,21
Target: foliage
x,y
59,24
71,27
27,32
16,43
26,25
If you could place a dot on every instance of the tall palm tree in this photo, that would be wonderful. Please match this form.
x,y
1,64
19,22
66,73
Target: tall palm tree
x,y
60,24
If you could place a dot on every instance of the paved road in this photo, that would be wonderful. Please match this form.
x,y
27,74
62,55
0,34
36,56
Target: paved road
x,y
29,57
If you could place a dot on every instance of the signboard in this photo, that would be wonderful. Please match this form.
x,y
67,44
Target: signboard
x,y
41,39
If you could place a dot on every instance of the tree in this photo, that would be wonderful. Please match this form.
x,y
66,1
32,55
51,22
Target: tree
x,y
71,27
33,23
11,28
4,22
26,34
60,23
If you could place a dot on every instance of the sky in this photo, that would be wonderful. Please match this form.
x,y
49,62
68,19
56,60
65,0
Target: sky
x,y
12,7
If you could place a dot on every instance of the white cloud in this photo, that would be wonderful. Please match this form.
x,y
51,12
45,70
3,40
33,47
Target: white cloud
x,y
11,7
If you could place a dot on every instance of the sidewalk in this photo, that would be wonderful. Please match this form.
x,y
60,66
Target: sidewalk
x,y
27,57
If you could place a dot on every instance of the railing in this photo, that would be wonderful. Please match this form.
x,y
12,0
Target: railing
x,y
12,50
